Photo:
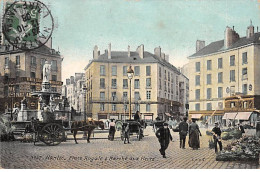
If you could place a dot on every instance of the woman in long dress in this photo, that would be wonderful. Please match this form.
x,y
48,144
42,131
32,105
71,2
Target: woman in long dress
x,y
194,133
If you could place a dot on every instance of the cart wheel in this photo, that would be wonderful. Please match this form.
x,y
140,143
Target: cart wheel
x,y
52,134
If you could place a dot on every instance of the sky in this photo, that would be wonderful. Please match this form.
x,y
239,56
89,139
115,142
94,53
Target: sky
x,y
174,25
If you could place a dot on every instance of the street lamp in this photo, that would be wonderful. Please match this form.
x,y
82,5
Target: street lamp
x,y
130,74
11,95
84,109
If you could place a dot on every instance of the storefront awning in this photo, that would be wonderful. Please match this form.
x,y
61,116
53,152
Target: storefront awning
x,y
167,114
196,116
243,115
230,115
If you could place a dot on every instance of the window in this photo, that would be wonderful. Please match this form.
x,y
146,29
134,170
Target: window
x,y
125,83
232,90
148,70
102,95
208,93
137,107
197,94
172,78
208,79
232,104
5,91
220,77
208,64
137,70
244,88
113,107
232,60
114,70
113,83
137,96
165,86
220,92
148,107
33,88
197,80
102,107
169,78
148,95
148,82
197,107
124,70
102,83
197,66
209,106
125,107
244,73
160,84
160,72
244,58
6,62
33,60
17,89
245,104
54,77
124,96
165,77
113,96
232,76
137,84
17,60
220,63
32,74
102,70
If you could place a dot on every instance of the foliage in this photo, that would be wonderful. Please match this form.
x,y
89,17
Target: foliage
x,y
6,129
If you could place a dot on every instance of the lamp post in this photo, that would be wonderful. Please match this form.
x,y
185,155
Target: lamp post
x,y
84,110
130,74
11,95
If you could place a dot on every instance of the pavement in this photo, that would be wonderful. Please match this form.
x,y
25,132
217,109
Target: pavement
x,y
104,154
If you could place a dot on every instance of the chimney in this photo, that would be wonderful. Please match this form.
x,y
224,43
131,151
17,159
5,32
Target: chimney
x,y
140,50
257,29
96,53
128,54
157,51
199,45
231,36
250,30
109,51
167,58
163,56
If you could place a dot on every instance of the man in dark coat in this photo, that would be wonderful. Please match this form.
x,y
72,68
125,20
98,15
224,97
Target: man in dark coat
x,y
137,116
217,137
183,131
164,136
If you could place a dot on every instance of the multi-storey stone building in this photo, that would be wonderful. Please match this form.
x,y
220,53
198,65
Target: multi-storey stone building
x,y
155,88
223,69
21,74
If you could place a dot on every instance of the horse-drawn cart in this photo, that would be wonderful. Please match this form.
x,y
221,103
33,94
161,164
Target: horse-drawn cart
x,y
51,134
134,128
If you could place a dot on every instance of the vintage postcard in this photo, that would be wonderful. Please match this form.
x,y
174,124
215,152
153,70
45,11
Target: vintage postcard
x,y
130,84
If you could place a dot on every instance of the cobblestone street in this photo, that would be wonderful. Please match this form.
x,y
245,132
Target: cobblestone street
x,y
101,153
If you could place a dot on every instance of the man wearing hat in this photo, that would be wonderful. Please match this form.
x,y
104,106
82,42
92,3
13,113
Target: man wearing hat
x,y
183,131
217,137
164,136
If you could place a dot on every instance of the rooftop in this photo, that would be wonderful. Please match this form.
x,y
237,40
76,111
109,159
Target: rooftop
x,y
218,46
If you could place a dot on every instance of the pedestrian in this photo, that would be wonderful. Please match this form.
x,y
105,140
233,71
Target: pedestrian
x,y
112,130
126,133
217,137
137,116
194,133
241,128
183,131
164,136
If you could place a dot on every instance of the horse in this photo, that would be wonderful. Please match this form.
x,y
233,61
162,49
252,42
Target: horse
x,y
86,126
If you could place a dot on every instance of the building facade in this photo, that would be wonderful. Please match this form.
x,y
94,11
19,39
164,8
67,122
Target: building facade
x,y
222,69
21,74
155,86
74,92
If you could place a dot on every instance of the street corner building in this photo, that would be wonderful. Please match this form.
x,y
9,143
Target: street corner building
x,y
224,78
21,73
158,88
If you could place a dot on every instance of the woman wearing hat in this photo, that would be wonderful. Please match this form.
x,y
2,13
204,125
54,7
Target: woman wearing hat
x,y
164,136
